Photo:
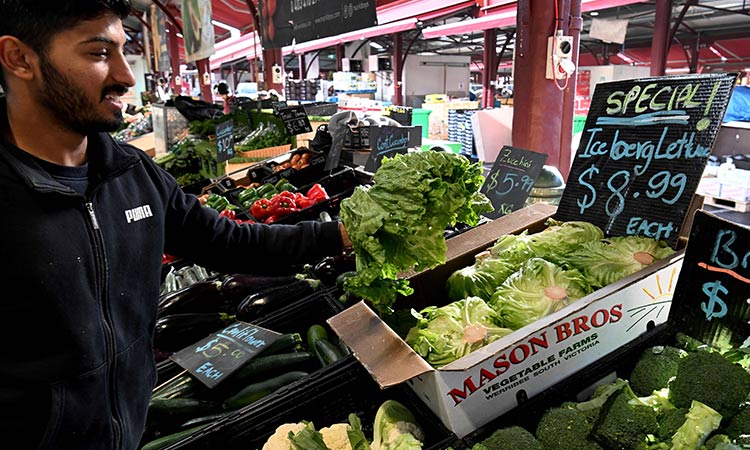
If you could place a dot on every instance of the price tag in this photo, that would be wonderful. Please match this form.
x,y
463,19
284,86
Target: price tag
x,y
511,178
295,119
386,141
225,141
213,359
711,300
275,106
643,151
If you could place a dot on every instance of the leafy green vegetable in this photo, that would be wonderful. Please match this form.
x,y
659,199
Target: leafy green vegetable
x,y
307,439
443,335
608,260
398,223
395,428
538,289
356,436
190,160
480,279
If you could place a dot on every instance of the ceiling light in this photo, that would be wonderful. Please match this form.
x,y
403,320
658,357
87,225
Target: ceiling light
x,y
376,45
677,70
716,52
626,58
594,13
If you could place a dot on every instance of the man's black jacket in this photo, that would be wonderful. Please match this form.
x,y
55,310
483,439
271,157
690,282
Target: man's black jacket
x,y
81,277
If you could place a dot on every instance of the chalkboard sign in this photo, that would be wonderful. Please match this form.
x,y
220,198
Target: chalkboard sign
x,y
276,106
642,153
295,119
386,141
710,301
511,178
213,359
225,141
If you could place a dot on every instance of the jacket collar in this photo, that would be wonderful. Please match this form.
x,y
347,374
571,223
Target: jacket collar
x,y
106,159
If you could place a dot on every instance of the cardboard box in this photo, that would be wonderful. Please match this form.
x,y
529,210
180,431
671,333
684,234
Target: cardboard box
x,y
473,390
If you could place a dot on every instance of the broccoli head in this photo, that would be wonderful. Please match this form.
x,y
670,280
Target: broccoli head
x,y
564,428
591,407
654,369
740,424
671,421
711,379
700,422
511,438
625,422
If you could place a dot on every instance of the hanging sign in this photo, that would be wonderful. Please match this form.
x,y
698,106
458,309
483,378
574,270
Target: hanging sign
x,y
225,141
509,182
710,301
386,141
642,153
213,359
295,119
197,29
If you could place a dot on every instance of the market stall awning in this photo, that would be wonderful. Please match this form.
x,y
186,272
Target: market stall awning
x,y
365,33
246,46
421,9
504,15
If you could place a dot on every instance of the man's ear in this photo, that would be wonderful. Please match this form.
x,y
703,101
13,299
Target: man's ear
x,y
17,58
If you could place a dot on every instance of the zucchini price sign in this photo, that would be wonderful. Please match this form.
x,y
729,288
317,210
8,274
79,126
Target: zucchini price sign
x,y
225,141
511,178
213,359
295,119
642,153
386,141
711,301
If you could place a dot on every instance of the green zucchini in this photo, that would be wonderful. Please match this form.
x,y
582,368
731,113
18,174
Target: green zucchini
x,y
256,391
170,439
181,407
314,334
327,352
286,343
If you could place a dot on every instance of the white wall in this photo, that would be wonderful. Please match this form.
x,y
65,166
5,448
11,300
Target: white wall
x,y
436,75
139,68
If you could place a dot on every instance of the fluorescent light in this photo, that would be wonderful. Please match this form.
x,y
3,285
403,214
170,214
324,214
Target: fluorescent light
x,y
232,30
179,35
677,70
594,13
376,45
625,58
716,52
426,53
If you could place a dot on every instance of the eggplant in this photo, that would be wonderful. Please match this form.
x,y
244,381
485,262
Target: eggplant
x,y
204,296
267,300
238,286
330,267
176,331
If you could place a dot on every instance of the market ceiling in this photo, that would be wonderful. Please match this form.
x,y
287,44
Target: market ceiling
x,y
721,29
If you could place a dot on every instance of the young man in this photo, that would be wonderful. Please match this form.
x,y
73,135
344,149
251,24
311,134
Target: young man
x,y
85,222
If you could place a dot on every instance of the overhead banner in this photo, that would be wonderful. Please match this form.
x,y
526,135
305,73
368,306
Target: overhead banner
x,y
197,29
284,22
159,36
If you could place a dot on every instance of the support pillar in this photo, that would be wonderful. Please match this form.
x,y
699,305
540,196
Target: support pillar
x,y
339,56
489,71
173,46
398,68
569,96
204,70
272,57
537,101
302,66
660,45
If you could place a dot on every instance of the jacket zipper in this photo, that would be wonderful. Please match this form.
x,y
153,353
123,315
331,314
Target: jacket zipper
x,y
101,281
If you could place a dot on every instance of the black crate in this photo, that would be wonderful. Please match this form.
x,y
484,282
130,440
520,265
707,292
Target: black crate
x,y
327,399
321,108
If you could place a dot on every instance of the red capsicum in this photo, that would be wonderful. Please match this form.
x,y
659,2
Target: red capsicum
x,y
261,209
317,193
282,206
302,202
228,213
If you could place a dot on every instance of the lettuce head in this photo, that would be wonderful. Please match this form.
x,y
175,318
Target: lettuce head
x,y
445,334
480,279
552,243
605,261
537,289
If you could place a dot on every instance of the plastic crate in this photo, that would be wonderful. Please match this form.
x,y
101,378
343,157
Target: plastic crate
x,y
321,108
327,399
168,123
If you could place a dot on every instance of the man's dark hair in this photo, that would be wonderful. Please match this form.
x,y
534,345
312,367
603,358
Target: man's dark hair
x,y
35,22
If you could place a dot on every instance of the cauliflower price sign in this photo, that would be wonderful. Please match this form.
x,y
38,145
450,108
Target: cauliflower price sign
x,y
642,153
712,297
212,359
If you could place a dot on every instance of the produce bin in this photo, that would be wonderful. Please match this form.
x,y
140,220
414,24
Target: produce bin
x,y
421,117
295,317
327,399
168,124
475,389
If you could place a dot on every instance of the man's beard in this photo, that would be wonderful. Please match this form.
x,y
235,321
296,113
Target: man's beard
x,y
63,97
